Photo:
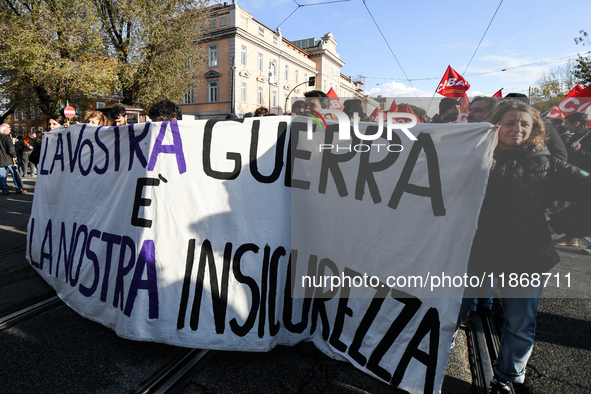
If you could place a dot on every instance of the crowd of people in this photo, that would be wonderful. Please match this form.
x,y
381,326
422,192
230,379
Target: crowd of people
x,y
539,184
21,154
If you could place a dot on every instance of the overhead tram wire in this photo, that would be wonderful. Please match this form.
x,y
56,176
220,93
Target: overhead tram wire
x,y
390,48
486,31
478,46
308,5
487,72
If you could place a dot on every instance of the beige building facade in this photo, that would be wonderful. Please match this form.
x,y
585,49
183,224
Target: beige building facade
x,y
250,65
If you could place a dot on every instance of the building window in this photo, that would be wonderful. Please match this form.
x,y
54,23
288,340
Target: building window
x,y
275,41
297,76
273,69
189,96
212,92
23,128
261,31
32,129
16,115
286,72
100,104
24,114
212,55
274,99
261,62
40,129
243,92
213,23
243,55
223,21
260,97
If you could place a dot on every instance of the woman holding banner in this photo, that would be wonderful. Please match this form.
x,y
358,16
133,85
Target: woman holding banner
x,y
513,241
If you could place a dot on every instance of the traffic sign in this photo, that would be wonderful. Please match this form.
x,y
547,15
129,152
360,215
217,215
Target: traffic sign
x,y
69,112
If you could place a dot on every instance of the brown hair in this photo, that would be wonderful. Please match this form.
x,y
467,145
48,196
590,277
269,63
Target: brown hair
x,y
538,132
27,137
103,121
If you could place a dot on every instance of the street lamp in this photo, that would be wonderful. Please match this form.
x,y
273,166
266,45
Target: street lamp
x,y
311,82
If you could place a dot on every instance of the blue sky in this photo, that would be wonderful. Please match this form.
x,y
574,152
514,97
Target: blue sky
x,y
427,36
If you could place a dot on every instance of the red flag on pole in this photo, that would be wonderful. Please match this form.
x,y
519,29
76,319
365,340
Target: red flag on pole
x,y
335,103
452,84
579,102
375,115
576,90
393,107
498,94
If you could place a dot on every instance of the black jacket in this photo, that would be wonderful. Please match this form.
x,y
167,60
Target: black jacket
x,y
6,150
554,143
512,235
20,147
582,157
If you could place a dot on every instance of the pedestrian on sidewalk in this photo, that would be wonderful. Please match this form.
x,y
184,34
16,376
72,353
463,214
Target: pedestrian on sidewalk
x,y
7,160
513,236
24,147
578,143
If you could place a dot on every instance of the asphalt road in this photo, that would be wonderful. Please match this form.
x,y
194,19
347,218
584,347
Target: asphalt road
x,y
59,351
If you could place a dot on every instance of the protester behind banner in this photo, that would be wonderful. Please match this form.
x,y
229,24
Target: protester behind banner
x,y
449,110
481,107
353,106
165,111
96,118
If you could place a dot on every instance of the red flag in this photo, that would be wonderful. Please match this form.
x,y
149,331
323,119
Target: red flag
x,y
335,103
576,90
577,103
393,107
408,109
464,111
452,84
498,94
375,115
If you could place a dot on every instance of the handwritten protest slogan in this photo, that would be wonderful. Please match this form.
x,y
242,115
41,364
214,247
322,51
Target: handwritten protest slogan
x,y
203,234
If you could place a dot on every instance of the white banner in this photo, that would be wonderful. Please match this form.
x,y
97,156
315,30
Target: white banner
x,y
196,233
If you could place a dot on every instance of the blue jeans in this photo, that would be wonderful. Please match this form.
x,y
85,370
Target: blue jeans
x,y
518,332
3,184
519,328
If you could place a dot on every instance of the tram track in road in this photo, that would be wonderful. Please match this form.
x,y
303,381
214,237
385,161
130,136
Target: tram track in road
x,y
483,349
175,375
28,312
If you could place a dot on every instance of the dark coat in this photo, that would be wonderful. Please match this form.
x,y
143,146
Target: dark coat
x,y
21,148
513,235
7,151
554,143
582,157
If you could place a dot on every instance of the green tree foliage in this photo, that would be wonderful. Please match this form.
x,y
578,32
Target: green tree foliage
x,y
76,50
52,49
552,86
582,69
153,43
